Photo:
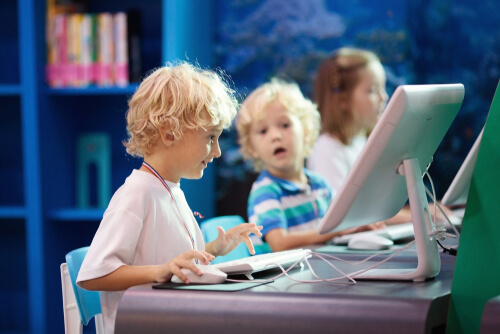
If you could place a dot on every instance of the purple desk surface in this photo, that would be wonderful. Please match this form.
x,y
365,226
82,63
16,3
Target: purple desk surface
x,y
490,322
285,306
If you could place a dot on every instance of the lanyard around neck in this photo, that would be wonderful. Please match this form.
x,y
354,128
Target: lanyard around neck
x,y
158,176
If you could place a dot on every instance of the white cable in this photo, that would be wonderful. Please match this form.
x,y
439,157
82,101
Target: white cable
x,y
285,273
373,266
436,203
323,256
440,228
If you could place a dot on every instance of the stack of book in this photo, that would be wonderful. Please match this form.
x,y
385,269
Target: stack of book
x,y
87,49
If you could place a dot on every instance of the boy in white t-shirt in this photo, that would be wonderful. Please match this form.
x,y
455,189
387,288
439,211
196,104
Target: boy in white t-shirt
x,y
148,232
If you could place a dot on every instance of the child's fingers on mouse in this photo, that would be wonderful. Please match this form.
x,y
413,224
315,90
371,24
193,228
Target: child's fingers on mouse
x,y
197,254
208,255
194,268
181,276
187,264
202,256
205,258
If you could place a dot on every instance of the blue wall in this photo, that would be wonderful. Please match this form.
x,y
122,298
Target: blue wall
x,y
418,41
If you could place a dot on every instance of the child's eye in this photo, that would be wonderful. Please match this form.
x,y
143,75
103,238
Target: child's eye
x,y
262,131
212,139
285,125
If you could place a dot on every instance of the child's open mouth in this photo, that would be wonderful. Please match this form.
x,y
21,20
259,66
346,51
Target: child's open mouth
x,y
279,151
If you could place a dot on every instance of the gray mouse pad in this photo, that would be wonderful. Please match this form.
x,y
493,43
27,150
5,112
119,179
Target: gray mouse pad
x,y
227,286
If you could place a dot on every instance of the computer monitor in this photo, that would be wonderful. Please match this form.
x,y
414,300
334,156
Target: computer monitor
x,y
459,188
390,169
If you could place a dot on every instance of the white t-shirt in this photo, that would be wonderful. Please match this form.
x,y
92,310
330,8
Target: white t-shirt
x,y
141,226
333,160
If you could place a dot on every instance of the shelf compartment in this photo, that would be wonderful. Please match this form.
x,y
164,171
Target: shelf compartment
x,y
12,212
12,193
10,90
76,214
94,90
15,291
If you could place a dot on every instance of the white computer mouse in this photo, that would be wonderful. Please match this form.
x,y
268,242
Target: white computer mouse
x,y
210,276
369,242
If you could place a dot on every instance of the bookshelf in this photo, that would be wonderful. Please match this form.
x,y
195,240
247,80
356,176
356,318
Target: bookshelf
x,y
40,126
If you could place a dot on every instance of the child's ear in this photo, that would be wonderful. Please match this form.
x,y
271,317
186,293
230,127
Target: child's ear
x,y
167,138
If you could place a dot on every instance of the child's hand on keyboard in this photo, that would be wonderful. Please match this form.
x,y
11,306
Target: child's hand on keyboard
x,y
228,240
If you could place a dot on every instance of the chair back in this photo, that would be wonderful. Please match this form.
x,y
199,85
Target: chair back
x,y
209,230
88,302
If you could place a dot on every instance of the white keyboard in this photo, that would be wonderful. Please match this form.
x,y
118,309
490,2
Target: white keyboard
x,y
392,232
251,264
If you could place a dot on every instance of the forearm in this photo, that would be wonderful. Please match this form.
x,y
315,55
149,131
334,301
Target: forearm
x,y
403,216
209,248
122,278
280,240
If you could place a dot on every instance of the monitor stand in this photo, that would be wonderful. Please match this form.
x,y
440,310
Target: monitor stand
x,y
429,262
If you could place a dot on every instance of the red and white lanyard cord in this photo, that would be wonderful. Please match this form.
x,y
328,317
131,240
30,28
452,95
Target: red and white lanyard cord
x,y
152,170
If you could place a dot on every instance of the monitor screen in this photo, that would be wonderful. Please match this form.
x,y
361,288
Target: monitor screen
x,y
403,142
459,188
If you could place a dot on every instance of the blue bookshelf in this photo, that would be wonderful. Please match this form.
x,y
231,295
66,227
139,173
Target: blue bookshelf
x,y
12,212
94,90
10,90
40,126
68,215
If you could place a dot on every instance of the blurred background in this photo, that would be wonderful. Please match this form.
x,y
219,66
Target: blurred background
x,y
57,136
418,42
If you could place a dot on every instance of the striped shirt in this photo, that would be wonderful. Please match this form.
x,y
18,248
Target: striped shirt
x,y
278,203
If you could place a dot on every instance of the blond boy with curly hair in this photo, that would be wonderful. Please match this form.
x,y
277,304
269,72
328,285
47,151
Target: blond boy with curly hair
x,y
148,232
277,128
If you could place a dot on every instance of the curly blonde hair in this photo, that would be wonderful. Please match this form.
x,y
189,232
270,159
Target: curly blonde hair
x,y
336,79
174,98
288,94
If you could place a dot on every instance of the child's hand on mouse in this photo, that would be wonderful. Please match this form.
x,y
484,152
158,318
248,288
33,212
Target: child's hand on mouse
x,y
228,240
185,260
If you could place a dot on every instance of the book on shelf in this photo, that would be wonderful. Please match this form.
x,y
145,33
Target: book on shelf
x,y
85,73
88,49
74,50
120,65
104,49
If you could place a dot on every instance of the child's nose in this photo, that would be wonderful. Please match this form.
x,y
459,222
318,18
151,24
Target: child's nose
x,y
216,152
384,96
276,134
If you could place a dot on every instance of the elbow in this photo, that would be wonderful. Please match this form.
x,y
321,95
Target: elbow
x,y
277,240
87,285
278,247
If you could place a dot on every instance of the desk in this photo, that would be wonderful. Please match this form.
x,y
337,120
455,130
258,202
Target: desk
x,y
490,322
289,307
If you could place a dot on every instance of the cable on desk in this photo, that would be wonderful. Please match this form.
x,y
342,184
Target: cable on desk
x,y
323,256
451,251
440,232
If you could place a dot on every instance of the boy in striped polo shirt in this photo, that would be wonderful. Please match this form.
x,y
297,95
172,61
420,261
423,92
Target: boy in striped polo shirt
x,y
277,128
